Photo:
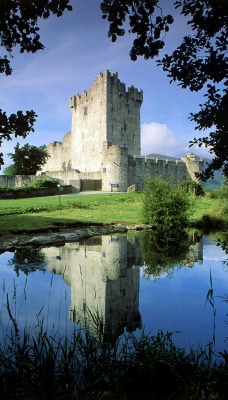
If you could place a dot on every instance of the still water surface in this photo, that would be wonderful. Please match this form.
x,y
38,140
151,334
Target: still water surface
x,y
128,286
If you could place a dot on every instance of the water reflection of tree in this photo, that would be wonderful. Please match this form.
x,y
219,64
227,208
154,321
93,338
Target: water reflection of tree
x,y
223,243
28,260
163,251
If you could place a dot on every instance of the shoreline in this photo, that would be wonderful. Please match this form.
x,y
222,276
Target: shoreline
x,y
9,241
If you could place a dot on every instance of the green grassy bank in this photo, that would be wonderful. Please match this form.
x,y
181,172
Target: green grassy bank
x,y
49,213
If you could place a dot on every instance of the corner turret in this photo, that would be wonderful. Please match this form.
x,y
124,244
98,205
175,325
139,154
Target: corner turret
x,y
193,166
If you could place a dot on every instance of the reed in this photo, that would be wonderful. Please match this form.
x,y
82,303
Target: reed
x,y
37,365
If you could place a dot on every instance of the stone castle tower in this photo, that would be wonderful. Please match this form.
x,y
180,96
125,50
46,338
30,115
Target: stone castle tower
x,y
106,114
102,151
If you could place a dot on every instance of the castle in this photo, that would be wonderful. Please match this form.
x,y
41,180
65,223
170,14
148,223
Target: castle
x,y
102,150
103,273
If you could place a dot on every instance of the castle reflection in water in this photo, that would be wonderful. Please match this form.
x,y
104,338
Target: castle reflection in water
x,y
104,275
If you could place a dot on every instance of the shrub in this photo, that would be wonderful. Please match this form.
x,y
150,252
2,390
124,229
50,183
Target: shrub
x,y
77,204
213,193
192,187
223,192
39,184
43,183
166,205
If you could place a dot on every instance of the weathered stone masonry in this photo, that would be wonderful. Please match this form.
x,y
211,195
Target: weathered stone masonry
x,y
102,151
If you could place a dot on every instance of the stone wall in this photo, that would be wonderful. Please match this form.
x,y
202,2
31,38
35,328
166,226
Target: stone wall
x,y
193,166
15,181
140,167
71,177
60,155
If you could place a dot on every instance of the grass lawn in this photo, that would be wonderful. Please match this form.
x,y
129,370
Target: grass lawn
x,y
45,213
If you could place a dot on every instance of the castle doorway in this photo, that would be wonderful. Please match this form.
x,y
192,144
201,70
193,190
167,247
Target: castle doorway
x,y
90,184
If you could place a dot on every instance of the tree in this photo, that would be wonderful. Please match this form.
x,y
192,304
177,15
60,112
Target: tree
x,y
10,170
19,27
28,160
166,205
199,63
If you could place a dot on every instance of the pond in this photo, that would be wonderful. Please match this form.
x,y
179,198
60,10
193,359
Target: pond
x,y
132,282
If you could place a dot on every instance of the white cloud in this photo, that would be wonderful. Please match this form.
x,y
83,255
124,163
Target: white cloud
x,y
201,151
212,253
158,138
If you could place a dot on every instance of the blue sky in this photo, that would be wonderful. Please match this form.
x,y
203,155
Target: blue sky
x,y
77,49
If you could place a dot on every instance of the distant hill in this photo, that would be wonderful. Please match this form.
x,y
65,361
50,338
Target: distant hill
x,y
210,184
161,156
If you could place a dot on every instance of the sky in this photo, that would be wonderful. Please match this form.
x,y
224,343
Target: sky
x,y
77,49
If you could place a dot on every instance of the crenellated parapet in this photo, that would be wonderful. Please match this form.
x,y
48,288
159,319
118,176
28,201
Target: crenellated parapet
x,y
130,93
78,99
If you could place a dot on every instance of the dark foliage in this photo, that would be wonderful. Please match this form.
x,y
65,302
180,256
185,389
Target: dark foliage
x,y
28,160
149,31
27,260
164,251
19,27
15,125
199,63
192,187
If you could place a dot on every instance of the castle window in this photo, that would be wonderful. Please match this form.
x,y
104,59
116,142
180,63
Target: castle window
x,y
104,170
85,111
125,127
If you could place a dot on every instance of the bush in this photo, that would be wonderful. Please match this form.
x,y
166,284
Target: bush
x,y
166,205
39,184
223,192
192,187
213,193
43,183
